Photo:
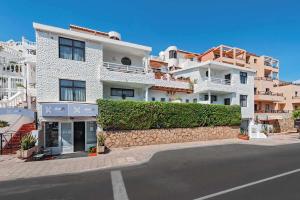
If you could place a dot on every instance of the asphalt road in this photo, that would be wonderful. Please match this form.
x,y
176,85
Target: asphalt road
x,y
180,174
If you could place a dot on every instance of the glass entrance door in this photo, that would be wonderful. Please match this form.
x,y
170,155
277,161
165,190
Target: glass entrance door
x,y
67,137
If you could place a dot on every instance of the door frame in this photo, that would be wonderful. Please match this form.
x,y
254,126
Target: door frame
x,y
84,122
54,150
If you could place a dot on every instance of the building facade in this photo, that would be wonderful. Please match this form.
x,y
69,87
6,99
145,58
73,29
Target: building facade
x,y
77,66
273,99
17,73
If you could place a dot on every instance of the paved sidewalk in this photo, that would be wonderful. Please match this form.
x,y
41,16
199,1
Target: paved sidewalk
x,y
13,168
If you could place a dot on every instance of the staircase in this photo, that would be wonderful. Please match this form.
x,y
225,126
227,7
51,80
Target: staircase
x,y
11,140
16,100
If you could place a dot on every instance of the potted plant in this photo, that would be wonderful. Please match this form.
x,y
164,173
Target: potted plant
x,y
243,135
92,151
100,143
28,147
3,124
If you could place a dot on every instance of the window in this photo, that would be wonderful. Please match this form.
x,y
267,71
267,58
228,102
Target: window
x,y
296,93
268,91
162,99
255,90
255,60
51,134
195,100
267,108
243,100
187,101
206,73
126,61
227,101
122,92
71,49
172,54
206,97
214,98
243,77
153,99
71,90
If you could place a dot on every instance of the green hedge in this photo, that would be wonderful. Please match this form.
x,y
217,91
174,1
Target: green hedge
x,y
137,115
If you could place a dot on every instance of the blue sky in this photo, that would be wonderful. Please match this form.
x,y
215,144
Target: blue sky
x,y
264,27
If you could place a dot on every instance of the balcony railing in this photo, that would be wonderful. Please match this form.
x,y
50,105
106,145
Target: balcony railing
x,y
123,68
219,81
295,97
263,78
268,93
273,111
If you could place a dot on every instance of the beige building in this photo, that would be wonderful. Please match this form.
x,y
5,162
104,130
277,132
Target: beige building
x,y
274,99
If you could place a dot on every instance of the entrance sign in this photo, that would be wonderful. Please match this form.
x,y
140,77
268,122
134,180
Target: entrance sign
x,y
69,110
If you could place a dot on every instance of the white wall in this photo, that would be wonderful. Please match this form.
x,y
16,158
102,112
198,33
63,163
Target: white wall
x,y
50,68
161,94
115,57
139,93
236,88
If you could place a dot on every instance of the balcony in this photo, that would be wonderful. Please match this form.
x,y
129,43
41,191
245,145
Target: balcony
x,y
295,99
269,96
214,84
263,78
166,82
113,72
272,114
123,68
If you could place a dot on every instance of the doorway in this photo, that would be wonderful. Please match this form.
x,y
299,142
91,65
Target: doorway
x,y
79,136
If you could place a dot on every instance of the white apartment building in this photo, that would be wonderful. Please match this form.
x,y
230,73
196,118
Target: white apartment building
x,y
17,73
77,66
212,82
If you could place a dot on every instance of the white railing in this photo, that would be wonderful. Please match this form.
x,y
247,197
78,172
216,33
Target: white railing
x,y
123,68
172,83
204,102
219,81
13,101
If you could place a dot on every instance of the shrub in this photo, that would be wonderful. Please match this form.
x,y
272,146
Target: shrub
x,y
296,114
137,115
3,124
27,142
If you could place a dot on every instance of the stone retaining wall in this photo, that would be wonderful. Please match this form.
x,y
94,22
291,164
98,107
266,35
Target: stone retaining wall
x,y
166,136
283,125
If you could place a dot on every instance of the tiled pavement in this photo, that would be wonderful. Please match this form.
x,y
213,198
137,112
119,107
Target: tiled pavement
x,y
12,168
